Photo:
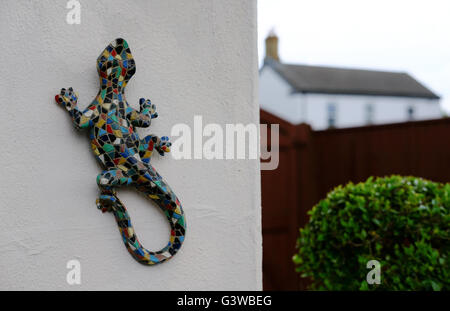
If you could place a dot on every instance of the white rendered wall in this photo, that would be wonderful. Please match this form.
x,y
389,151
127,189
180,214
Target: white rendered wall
x,y
351,109
275,96
193,58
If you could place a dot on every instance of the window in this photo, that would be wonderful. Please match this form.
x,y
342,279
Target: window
x,y
369,113
331,115
410,113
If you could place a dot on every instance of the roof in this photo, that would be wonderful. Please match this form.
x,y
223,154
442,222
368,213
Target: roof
x,y
331,80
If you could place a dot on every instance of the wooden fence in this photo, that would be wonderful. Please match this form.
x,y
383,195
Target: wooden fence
x,y
311,163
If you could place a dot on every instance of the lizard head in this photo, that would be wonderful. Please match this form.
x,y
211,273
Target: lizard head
x,y
116,65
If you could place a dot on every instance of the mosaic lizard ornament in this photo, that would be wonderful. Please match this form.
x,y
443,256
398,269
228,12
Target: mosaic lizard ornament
x,y
124,156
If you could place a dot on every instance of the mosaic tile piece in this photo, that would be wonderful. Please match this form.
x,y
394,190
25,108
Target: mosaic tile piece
x,y
124,156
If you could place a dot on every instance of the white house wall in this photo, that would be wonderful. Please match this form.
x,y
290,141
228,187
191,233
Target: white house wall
x,y
351,110
275,96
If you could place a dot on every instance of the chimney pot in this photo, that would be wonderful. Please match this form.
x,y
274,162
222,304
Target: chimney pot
x,y
272,47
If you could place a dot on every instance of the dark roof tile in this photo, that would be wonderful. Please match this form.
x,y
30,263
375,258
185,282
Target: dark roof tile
x,y
315,79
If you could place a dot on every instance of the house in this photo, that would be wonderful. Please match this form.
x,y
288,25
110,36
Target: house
x,y
329,97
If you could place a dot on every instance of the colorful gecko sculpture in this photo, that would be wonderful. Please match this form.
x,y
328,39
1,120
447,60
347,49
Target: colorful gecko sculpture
x,y
124,156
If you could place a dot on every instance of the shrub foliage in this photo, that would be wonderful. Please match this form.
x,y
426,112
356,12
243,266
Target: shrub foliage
x,y
403,222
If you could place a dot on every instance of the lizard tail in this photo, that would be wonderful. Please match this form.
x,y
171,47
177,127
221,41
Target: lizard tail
x,y
161,194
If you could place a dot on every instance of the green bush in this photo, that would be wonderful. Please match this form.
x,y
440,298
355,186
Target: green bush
x,y
403,222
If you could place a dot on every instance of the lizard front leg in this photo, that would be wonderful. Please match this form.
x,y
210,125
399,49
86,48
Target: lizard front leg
x,y
68,99
144,117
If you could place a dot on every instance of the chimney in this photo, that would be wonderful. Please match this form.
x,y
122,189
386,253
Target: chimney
x,y
272,47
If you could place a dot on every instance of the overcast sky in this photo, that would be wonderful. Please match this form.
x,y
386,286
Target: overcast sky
x,y
395,35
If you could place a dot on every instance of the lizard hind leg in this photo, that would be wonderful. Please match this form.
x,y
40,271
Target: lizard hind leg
x,y
106,181
151,143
